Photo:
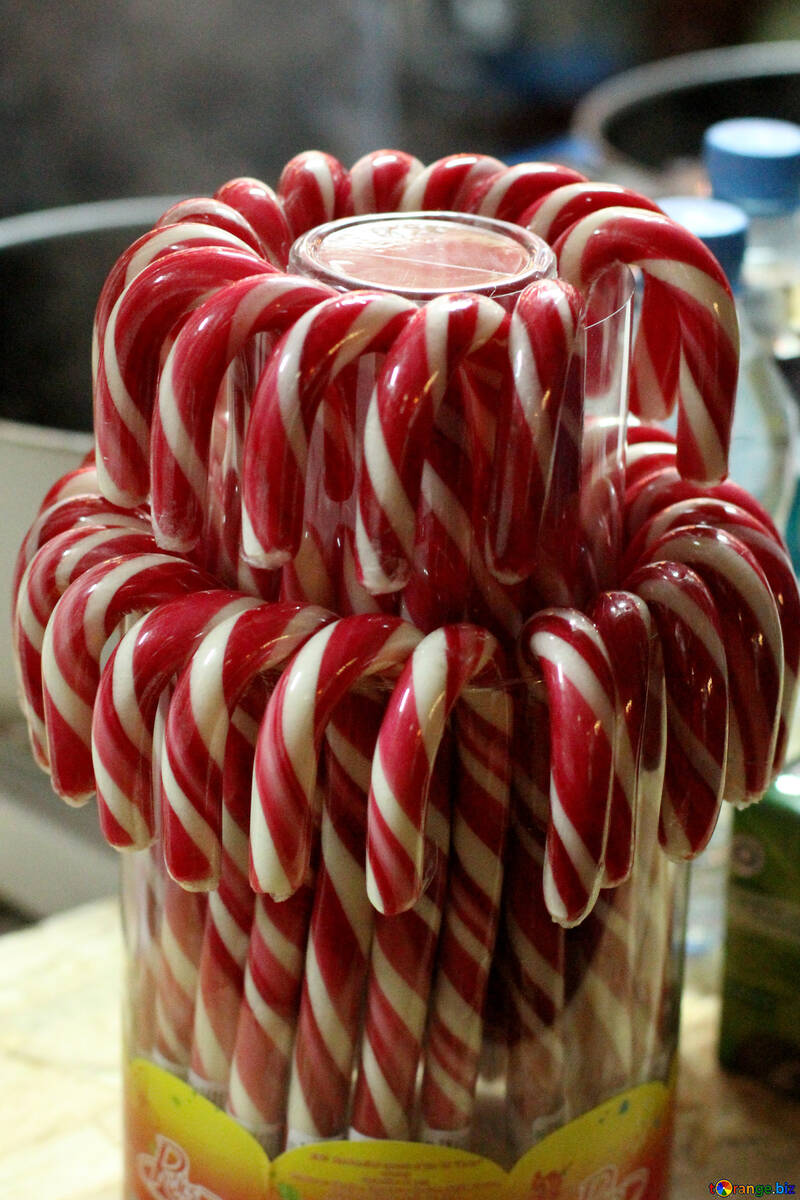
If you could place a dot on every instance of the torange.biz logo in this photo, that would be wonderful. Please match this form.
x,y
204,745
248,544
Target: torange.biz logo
x,y
723,1187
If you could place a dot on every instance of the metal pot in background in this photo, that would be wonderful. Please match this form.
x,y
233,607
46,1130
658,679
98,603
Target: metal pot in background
x,y
646,124
52,266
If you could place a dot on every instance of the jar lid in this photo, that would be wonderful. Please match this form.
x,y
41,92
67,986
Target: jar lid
x,y
421,255
755,162
722,226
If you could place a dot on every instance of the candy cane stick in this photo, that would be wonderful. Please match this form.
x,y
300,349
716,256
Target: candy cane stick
x,y
208,210
401,415
771,557
578,675
206,694
509,194
206,346
552,214
60,561
137,328
379,180
313,189
696,679
446,183
753,641
83,620
139,670
308,358
546,362
471,915
703,305
259,204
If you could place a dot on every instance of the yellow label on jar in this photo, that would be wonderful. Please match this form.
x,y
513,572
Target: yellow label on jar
x,y
179,1146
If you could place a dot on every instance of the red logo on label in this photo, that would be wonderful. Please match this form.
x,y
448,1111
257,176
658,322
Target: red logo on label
x,y
606,1184
166,1173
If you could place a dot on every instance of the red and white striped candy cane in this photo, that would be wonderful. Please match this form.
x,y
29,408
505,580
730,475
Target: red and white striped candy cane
x,y
379,180
578,675
454,1033
258,203
139,670
137,328
696,679
190,379
210,210
528,500
774,561
647,449
399,421
78,512
180,937
306,360
313,188
206,694
446,183
509,194
444,663
60,561
284,777
627,629
268,1015
702,303
554,212
83,620
231,907
79,481
751,632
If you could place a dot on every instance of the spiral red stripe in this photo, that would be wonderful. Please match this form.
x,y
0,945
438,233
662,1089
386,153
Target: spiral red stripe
x,y
208,343
447,182
208,210
308,358
509,194
133,680
401,416
552,214
581,694
313,189
179,940
701,301
84,619
206,694
696,677
753,641
137,328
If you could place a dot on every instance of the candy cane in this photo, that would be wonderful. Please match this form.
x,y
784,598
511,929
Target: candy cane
x,y
139,670
60,561
446,183
208,343
753,642
313,189
208,210
259,204
83,620
137,328
696,678
771,557
379,180
206,694
308,358
509,194
401,415
546,362
444,663
578,675
552,214
700,300
471,914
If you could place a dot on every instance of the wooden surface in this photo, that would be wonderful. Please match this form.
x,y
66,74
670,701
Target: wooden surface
x,y
60,1132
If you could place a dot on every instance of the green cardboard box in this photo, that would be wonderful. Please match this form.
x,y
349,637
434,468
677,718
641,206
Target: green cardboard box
x,y
760,1027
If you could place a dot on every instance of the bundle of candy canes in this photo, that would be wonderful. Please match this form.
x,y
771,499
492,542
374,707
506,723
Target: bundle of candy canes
x,y
405,734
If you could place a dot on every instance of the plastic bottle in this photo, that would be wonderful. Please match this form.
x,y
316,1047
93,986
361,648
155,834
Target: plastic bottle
x,y
754,162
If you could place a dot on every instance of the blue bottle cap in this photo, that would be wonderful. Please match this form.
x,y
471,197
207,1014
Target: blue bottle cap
x,y
722,226
754,162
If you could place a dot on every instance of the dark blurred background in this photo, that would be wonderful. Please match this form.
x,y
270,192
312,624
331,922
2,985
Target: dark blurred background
x,y
139,96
